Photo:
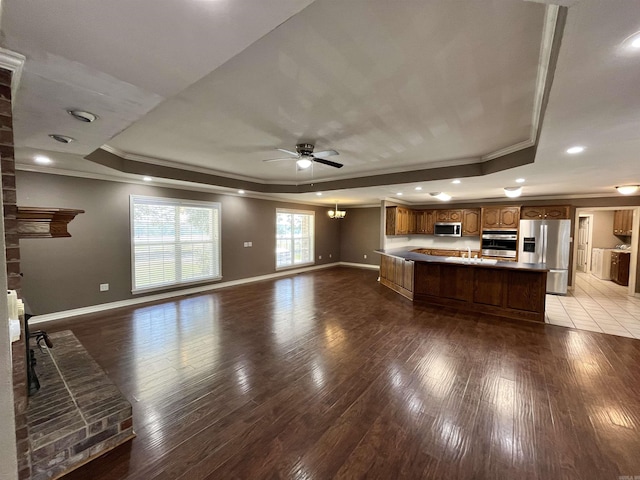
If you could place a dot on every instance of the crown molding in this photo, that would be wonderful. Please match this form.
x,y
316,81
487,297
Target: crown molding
x,y
14,62
134,157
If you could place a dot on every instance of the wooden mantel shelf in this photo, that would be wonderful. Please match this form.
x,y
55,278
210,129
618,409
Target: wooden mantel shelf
x,y
44,222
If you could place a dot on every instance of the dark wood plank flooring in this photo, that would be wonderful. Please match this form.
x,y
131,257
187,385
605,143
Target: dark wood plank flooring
x,y
330,375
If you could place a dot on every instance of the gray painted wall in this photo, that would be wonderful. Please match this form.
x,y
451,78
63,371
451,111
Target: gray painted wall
x,y
65,273
603,236
359,235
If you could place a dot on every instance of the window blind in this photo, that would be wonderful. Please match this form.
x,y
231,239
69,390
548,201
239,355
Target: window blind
x,y
173,242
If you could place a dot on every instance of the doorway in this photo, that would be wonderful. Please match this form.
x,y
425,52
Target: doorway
x,y
600,235
585,233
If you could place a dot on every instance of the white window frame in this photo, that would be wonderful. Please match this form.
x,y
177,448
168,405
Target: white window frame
x,y
311,237
133,199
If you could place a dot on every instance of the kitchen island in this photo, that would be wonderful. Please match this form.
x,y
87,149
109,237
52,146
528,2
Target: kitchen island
x,y
506,289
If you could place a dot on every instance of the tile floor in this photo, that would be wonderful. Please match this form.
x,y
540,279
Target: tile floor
x,y
596,305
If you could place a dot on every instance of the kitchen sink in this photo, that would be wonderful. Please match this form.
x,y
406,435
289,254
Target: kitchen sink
x,y
483,261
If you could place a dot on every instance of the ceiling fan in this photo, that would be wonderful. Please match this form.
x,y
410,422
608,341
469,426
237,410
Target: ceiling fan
x,y
304,156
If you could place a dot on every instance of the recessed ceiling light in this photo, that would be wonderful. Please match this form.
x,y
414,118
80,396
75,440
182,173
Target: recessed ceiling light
x,y
42,160
61,138
441,196
241,192
399,194
519,180
147,179
456,181
512,192
418,188
319,194
576,149
83,116
635,43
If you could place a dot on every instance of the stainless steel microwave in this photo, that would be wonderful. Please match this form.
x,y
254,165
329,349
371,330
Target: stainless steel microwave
x,y
447,229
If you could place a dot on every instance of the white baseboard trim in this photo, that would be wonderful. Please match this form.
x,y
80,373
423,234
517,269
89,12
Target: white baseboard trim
x,y
360,265
65,314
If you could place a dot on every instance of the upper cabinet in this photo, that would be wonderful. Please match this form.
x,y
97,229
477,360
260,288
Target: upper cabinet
x,y
448,215
424,222
549,212
397,221
622,222
500,217
471,222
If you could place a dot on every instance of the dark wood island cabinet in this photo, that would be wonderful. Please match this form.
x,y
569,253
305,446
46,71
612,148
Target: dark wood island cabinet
x,y
506,289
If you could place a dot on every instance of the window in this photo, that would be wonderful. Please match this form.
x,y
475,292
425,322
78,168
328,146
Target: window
x,y
294,237
173,242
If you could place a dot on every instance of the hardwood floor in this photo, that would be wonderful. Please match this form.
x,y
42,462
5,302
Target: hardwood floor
x,y
330,375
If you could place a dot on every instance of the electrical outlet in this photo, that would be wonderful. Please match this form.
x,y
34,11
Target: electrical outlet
x,y
248,244
329,255
365,256
319,257
104,287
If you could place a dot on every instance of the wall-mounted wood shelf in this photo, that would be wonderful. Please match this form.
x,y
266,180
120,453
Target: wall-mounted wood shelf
x,y
44,222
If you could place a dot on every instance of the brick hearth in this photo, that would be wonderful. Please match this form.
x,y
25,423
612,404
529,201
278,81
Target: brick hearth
x,y
78,414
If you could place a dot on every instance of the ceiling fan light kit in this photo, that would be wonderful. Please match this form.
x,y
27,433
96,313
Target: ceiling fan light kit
x,y
304,156
304,162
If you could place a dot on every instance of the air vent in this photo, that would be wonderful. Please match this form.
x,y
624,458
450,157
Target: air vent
x,y
83,116
61,138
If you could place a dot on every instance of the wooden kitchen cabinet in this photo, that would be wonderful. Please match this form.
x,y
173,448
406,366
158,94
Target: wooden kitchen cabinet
x,y
412,228
420,221
620,267
445,253
448,215
397,222
471,222
560,212
622,222
500,217
397,274
430,219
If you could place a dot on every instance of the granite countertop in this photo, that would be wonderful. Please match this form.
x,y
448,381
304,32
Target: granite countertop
x,y
407,254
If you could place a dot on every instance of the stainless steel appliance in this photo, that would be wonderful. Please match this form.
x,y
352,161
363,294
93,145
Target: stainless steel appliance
x,y
447,229
548,242
499,243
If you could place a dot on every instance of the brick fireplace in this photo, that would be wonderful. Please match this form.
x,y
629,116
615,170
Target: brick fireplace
x,y
13,267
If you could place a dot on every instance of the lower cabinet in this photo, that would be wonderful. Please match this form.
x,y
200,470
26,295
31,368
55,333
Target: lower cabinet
x,y
397,274
620,267
512,293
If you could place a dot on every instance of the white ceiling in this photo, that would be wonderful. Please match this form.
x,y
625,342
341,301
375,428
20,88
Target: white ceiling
x,y
217,85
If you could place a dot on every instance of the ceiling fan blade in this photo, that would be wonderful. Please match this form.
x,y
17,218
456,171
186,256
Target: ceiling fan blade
x,y
325,153
328,162
295,154
277,159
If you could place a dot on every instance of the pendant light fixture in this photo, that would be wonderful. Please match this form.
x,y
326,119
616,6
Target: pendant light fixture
x,y
337,213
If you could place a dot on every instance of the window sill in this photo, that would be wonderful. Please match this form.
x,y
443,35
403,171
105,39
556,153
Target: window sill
x,y
297,265
139,291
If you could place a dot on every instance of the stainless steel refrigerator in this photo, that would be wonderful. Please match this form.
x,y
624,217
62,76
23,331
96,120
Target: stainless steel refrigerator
x,y
548,242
